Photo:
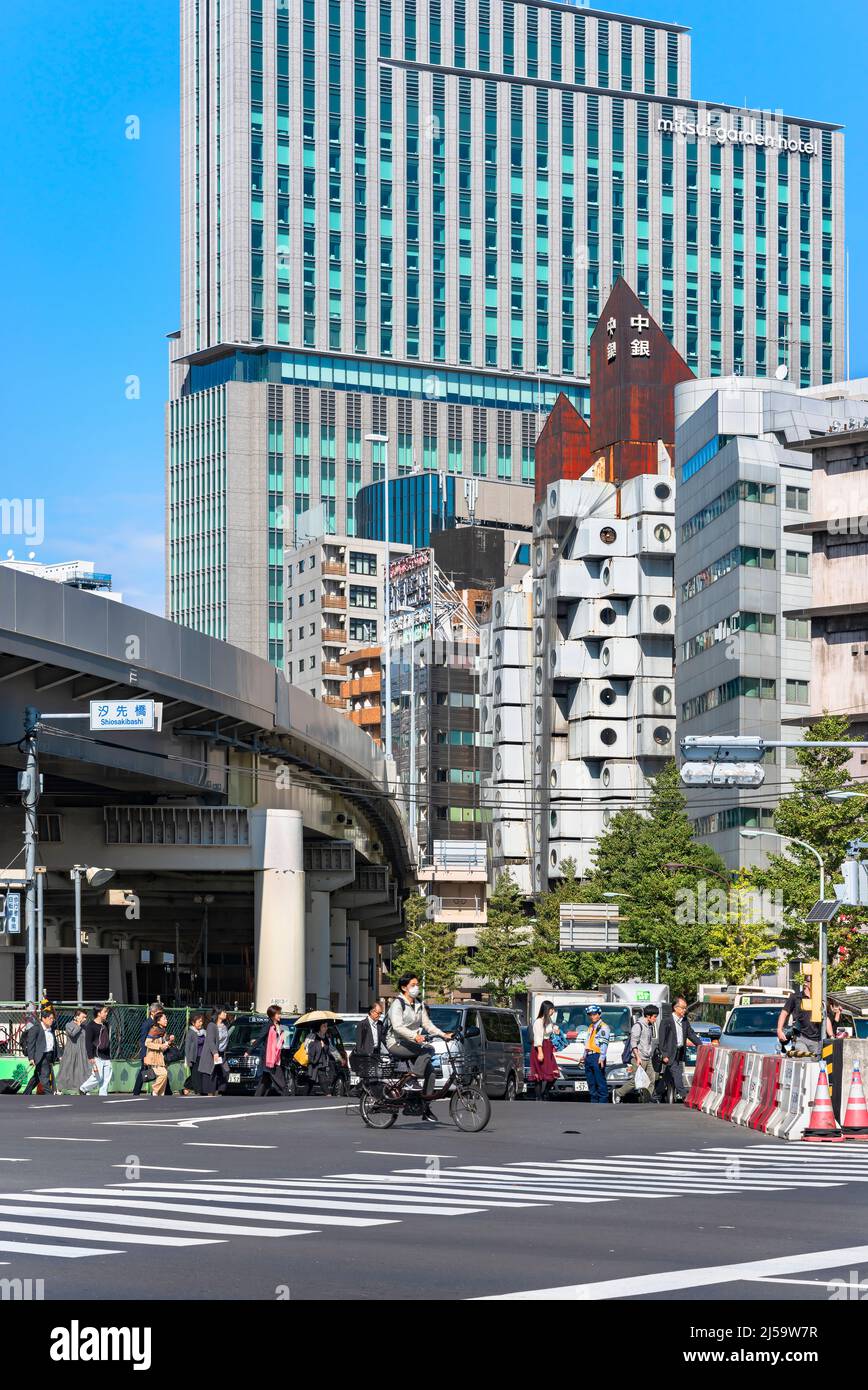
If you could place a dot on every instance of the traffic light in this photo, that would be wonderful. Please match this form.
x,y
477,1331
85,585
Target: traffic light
x,y
813,971
853,888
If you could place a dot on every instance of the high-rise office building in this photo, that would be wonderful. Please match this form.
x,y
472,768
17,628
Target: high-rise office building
x,y
401,217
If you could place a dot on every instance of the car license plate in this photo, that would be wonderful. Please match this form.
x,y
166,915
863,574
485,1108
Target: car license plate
x,y
234,1078
580,1085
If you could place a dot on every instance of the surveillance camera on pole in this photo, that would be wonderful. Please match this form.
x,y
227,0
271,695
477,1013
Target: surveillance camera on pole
x,y
713,761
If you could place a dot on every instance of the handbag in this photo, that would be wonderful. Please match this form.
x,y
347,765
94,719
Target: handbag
x,y
300,1056
148,1074
172,1054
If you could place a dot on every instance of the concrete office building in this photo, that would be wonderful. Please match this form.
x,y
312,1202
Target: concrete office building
x,y
401,217
838,530
334,605
744,584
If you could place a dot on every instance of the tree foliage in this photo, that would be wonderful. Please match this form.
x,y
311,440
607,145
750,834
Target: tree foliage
x,y
504,954
428,950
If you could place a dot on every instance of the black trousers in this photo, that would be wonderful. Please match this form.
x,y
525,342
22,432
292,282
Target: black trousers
x,y
272,1081
215,1083
42,1075
193,1080
420,1065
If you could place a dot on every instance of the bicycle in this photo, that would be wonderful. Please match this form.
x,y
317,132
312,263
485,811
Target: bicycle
x,y
386,1093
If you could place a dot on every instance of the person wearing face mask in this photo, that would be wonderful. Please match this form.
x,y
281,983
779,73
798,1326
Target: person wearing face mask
x,y
408,1027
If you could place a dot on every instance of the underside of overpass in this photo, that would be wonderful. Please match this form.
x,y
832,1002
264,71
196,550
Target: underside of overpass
x,y
255,833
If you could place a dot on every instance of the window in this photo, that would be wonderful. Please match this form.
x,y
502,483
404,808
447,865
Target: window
x,y
750,555
799,629
703,456
363,630
797,562
361,562
798,498
363,596
798,692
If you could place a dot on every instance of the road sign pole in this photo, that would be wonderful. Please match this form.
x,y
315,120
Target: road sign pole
x,y
30,801
40,935
79,970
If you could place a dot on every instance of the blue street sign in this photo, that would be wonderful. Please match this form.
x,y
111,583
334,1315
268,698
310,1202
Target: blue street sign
x,y
12,914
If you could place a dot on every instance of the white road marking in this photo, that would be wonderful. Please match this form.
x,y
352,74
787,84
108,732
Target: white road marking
x,y
666,1281
74,1233
65,1139
316,1187
198,1208
223,1194
125,1219
202,1144
164,1168
239,1115
56,1105
16,1160
403,1153
62,1252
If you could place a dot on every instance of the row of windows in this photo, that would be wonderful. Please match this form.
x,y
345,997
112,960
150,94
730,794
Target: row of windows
x,y
742,491
703,456
749,555
734,818
764,624
740,688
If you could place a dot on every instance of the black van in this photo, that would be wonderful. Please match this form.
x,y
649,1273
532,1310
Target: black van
x,y
491,1039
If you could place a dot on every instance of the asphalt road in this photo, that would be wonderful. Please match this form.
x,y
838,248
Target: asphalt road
x,y
268,1199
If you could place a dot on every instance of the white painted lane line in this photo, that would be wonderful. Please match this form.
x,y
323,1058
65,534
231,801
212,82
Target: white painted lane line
x,y
63,1252
106,1218
202,1144
164,1168
404,1153
697,1177
77,1233
770,1279
397,1207
668,1280
249,1115
127,1100
64,1139
164,1206
673,1185
15,1160
56,1105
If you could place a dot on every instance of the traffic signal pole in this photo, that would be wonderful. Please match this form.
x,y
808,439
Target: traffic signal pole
x,y
30,802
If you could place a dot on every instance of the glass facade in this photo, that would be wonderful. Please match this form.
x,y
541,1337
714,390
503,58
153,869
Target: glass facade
x,y
418,504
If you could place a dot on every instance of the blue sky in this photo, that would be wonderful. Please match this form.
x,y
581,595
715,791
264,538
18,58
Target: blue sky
x,y
89,237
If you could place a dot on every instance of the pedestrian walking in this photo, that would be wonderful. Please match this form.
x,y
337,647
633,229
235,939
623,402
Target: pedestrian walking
x,y
643,1045
157,1044
42,1052
99,1057
543,1067
676,1032
74,1068
273,1079
212,1063
153,1011
599,1037
193,1045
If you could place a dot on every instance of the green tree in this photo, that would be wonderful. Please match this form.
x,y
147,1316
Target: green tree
x,y
792,875
740,936
504,954
562,969
427,949
663,909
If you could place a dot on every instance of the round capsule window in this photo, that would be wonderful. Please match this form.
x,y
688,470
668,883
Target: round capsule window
x,y
663,492
662,694
608,736
662,533
608,535
606,777
608,696
662,735
662,613
608,616
605,656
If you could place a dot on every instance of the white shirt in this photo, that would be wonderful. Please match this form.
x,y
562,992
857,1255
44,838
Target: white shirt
x,y
49,1037
541,1029
679,1029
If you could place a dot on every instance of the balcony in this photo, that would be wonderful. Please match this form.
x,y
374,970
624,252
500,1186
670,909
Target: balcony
x,y
334,634
366,717
460,911
335,701
362,685
333,668
334,567
334,600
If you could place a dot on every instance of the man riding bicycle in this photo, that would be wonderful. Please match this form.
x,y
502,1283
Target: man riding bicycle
x,y
408,1025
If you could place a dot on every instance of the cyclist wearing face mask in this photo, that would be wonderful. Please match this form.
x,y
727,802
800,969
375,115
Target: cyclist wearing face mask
x,y
409,1023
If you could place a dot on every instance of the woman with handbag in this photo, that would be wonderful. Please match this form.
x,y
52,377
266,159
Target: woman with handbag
x,y
212,1064
157,1045
194,1045
273,1078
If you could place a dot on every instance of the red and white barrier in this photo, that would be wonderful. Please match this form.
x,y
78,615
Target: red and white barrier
x,y
796,1087
771,1094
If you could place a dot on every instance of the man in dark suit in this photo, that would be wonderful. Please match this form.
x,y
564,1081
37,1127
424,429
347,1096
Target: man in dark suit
x,y
372,1032
42,1049
675,1033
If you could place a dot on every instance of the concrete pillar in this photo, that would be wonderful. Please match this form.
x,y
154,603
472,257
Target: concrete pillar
x,y
338,971
365,990
353,964
278,906
317,946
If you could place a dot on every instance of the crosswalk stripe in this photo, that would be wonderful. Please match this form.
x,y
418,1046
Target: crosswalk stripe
x,y
311,1218
374,1186
429,1208
62,1252
34,1228
628,1179
211,1228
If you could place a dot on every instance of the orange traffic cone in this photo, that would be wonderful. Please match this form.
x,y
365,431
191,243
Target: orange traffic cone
x,y
855,1123
823,1127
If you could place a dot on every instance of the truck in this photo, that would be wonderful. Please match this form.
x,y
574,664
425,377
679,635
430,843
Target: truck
x,y
620,1004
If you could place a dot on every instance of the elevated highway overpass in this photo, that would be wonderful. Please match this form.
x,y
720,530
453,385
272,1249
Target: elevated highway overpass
x,y
257,829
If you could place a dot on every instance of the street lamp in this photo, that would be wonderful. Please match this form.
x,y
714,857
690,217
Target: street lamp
x,y
803,844
383,439
95,879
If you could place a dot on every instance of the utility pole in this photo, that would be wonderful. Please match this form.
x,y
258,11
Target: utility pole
x,y
28,782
